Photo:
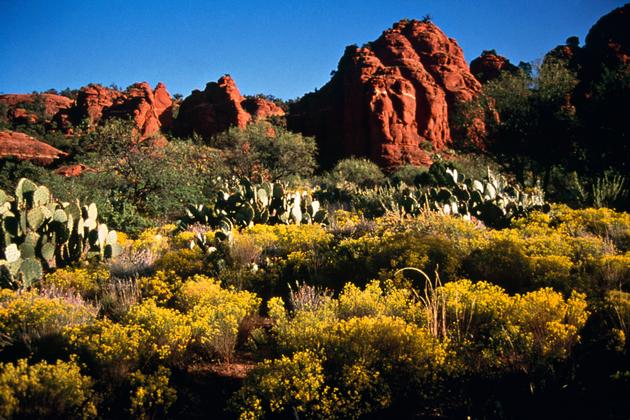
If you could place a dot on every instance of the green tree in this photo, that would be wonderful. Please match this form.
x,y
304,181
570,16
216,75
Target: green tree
x,y
264,151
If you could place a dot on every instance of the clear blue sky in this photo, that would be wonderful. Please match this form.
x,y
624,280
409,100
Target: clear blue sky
x,y
284,48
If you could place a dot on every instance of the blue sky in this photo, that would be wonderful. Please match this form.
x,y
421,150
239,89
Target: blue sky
x,y
283,48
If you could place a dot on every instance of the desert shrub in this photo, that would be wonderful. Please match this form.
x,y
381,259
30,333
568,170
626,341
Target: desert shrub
x,y
284,239
620,304
34,323
168,331
118,296
161,286
84,281
112,350
216,314
183,262
368,362
603,222
359,172
408,174
266,152
476,317
140,181
548,323
381,255
375,300
45,390
151,394
295,384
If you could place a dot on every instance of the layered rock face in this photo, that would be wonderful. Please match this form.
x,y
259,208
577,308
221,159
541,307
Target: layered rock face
x,y
149,109
489,66
390,100
30,108
24,147
221,106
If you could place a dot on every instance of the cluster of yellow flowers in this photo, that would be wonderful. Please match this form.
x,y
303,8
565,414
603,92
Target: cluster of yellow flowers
x,y
43,390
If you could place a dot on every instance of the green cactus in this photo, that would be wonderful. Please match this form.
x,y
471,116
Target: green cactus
x,y
47,233
250,204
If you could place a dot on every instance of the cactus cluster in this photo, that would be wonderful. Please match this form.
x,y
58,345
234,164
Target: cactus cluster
x,y
493,200
266,203
38,232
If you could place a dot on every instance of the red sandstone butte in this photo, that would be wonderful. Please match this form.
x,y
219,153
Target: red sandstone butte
x,y
489,66
389,100
215,109
24,147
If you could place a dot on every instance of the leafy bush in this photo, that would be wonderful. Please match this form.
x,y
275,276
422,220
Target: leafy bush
x,y
265,152
362,173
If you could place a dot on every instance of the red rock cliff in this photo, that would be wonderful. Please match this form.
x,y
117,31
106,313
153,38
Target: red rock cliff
x,y
389,100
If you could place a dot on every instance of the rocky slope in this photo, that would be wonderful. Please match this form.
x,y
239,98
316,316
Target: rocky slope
x,y
391,99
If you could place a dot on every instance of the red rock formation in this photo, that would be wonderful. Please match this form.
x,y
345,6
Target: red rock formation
x,y
29,108
213,110
489,66
70,171
25,147
261,108
149,110
390,100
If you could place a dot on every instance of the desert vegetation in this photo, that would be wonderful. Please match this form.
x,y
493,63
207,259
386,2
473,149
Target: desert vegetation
x,y
249,270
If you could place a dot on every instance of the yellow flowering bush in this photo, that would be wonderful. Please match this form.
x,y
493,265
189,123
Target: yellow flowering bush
x,y
216,313
184,262
161,286
85,281
284,239
27,317
45,390
289,384
116,349
151,394
620,304
548,323
476,317
156,240
373,300
168,332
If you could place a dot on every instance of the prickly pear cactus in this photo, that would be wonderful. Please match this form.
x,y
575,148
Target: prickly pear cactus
x,y
38,232
252,204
